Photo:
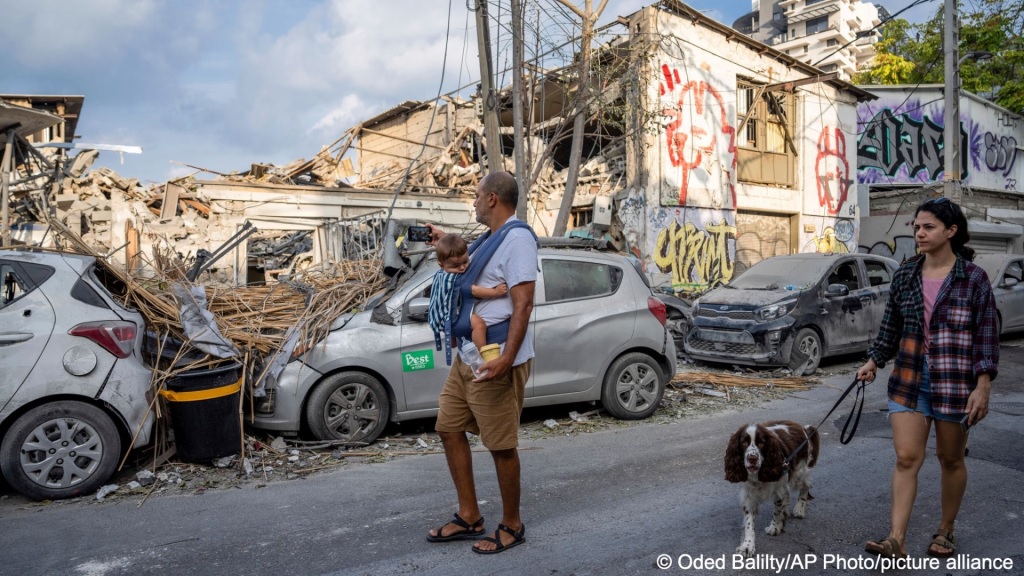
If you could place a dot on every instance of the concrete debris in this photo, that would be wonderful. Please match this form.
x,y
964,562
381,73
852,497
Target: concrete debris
x,y
551,423
422,443
133,485
577,417
224,462
278,443
145,477
105,491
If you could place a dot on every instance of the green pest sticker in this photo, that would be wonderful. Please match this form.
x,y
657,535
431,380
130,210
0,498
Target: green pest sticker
x,y
417,360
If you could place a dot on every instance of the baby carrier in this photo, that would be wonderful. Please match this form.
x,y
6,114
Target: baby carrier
x,y
458,324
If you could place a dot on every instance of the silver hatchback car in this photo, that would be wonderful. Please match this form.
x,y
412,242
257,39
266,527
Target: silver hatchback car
x,y
599,334
73,387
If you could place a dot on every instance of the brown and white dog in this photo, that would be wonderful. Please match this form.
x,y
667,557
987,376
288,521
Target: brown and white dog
x,y
756,456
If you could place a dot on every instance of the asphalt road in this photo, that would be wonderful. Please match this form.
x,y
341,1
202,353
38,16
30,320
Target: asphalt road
x,y
608,502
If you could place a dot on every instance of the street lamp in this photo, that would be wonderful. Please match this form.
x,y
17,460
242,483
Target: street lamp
x,y
976,55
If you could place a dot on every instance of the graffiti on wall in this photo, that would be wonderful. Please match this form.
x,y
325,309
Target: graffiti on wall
x,y
699,140
836,238
900,144
832,171
899,249
1000,153
698,251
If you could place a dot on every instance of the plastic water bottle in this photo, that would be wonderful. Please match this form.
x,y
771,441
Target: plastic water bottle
x,y
472,356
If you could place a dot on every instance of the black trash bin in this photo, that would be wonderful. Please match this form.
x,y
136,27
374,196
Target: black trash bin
x,y
203,406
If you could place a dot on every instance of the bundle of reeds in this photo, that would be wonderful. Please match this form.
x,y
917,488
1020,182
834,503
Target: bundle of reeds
x,y
727,380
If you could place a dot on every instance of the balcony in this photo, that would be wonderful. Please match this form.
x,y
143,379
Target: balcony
x,y
810,12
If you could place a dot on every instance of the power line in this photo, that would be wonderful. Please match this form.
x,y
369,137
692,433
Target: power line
x,y
430,126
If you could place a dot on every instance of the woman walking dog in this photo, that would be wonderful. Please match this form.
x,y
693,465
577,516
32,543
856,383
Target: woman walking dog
x,y
940,324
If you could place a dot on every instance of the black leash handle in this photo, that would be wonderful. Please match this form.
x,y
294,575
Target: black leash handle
x,y
858,407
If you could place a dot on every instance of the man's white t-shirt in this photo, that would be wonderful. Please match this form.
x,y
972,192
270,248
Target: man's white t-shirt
x,y
514,262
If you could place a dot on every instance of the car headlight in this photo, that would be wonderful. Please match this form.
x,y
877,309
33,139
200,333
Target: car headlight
x,y
774,311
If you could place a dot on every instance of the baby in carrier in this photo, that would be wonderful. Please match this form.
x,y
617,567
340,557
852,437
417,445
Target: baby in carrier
x,y
453,258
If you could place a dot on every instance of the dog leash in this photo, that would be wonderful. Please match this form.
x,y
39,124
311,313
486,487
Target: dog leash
x,y
858,407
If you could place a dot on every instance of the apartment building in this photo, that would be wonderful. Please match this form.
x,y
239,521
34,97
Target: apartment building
x,y
834,35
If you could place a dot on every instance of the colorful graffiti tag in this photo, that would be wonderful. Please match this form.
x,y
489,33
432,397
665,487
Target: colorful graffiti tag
x,y
832,171
698,138
696,258
891,143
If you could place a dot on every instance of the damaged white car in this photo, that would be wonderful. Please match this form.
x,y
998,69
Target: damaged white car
x,y
74,391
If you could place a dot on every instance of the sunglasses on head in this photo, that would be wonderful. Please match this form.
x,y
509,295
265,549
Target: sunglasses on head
x,y
942,200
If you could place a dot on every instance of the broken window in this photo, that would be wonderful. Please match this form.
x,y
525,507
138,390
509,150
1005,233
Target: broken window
x,y
13,286
766,153
845,274
878,274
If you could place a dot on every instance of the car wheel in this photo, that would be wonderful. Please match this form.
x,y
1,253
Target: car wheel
x,y
349,406
806,354
633,387
60,450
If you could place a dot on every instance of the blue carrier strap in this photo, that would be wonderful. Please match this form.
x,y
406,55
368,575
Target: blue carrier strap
x,y
458,323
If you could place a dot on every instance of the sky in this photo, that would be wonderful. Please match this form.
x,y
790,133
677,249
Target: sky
x,y
224,84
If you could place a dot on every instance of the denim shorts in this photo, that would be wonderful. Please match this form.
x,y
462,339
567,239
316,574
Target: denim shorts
x,y
924,401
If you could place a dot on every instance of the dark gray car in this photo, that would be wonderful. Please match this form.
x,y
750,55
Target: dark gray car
x,y
793,310
599,334
73,389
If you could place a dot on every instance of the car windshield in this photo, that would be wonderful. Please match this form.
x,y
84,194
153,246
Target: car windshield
x,y
776,273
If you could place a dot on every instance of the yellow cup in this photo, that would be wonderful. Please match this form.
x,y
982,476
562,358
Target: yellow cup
x,y
490,352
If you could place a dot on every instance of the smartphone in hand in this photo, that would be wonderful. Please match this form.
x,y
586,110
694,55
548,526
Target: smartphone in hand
x,y
419,234
964,424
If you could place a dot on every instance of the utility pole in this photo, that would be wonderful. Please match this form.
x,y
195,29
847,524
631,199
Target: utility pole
x,y
951,132
517,107
487,92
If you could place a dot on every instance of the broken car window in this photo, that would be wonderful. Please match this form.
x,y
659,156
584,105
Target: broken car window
x,y
13,286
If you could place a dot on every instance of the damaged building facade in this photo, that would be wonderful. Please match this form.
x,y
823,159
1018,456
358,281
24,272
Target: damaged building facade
x,y
901,163
709,150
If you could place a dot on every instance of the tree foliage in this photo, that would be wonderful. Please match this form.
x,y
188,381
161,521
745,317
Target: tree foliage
x,y
912,53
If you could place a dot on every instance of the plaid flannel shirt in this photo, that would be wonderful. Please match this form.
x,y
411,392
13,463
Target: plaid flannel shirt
x,y
964,343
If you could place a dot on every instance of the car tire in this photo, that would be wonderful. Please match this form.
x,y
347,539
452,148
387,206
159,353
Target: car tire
x,y
806,354
84,447
349,406
633,386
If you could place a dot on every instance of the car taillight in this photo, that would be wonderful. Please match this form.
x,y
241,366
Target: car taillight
x,y
657,307
118,338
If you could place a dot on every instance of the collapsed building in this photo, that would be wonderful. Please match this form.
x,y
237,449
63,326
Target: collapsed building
x,y
705,151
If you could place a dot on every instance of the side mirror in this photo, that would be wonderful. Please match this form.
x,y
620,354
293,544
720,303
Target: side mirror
x,y
837,291
1009,282
418,309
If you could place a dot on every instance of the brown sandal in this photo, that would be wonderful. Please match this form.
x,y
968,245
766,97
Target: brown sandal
x,y
945,539
886,547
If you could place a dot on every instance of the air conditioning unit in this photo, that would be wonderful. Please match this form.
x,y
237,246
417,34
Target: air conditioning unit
x,y
602,212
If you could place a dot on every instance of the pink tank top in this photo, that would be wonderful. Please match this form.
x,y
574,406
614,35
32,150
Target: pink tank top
x,y
929,290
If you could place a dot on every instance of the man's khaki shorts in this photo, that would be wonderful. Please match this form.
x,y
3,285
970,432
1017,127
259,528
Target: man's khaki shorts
x,y
488,409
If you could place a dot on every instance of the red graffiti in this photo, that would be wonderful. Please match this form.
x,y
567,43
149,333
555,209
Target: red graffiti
x,y
695,123
832,171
